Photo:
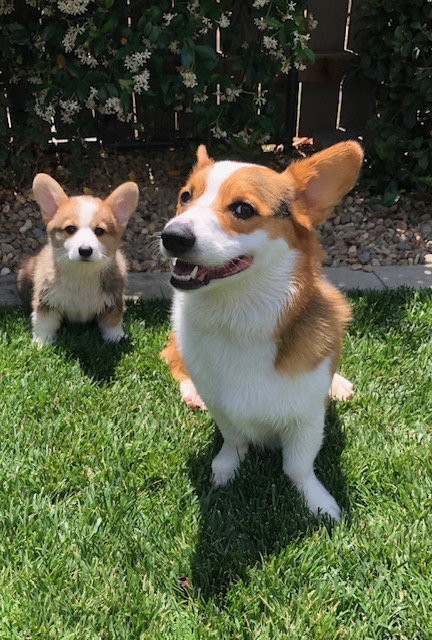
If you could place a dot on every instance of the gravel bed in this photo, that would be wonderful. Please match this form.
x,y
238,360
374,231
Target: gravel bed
x,y
361,233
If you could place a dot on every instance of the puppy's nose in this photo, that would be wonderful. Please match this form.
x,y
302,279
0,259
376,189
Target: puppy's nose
x,y
178,238
85,252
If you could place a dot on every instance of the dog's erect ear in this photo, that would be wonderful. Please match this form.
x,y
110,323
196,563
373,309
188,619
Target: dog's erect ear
x,y
123,201
323,179
202,157
48,194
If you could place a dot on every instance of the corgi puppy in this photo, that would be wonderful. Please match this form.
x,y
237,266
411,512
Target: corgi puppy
x,y
256,326
80,274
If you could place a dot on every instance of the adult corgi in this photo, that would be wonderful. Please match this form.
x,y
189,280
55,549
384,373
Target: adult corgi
x,y
256,326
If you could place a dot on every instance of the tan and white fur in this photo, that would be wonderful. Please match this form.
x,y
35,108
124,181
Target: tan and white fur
x,y
255,324
79,275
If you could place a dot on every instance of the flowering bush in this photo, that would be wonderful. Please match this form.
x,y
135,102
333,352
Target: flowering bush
x,y
394,43
81,64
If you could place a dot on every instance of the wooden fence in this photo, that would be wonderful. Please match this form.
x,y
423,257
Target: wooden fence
x,y
323,102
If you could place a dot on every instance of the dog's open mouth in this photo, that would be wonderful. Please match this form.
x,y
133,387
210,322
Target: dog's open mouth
x,y
191,276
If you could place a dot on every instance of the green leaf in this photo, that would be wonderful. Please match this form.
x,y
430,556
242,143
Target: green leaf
x,y
188,53
272,22
309,55
423,162
125,100
410,117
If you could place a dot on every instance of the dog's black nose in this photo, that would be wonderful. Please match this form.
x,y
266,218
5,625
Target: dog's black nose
x,y
85,252
178,238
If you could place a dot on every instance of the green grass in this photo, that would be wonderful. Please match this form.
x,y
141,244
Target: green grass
x,y
105,500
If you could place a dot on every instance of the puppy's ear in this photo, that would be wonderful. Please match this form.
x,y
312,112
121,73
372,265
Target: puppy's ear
x,y
323,179
123,201
202,157
48,194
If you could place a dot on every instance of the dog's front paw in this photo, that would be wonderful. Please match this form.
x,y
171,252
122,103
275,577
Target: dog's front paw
x,y
190,395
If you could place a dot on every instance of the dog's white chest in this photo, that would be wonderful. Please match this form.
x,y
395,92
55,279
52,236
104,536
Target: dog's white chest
x,y
239,383
78,299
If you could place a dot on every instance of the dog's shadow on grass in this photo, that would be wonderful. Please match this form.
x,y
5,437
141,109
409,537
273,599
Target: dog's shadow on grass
x,y
259,514
99,359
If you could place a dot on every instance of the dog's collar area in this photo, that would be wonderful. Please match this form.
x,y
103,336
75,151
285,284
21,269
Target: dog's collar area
x,y
185,275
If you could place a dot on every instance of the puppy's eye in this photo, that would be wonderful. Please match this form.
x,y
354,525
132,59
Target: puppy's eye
x,y
185,196
70,229
99,231
242,210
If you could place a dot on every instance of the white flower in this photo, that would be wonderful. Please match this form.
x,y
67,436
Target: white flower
x,y
285,66
86,58
208,24
260,99
264,137
243,135
113,107
291,6
90,103
312,22
259,4
73,7
35,80
193,6
224,22
300,66
174,47
141,81
188,76
6,6
261,24
200,97
270,43
134,61
69,108
304,39
70,37
168,17
231,94
218,133
46,113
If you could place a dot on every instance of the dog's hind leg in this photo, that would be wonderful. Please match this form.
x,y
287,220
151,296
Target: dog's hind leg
x,y
300,448
341,388
177,367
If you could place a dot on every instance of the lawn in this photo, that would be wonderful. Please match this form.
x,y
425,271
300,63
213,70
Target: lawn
x,y
109,527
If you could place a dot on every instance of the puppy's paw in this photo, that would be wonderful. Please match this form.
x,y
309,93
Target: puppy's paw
x,y
341,388
190,395
114,334
43,341
227,462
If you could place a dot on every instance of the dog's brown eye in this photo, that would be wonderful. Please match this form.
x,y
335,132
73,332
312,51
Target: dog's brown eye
x,y
99,231
242,210
70,230
185,197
